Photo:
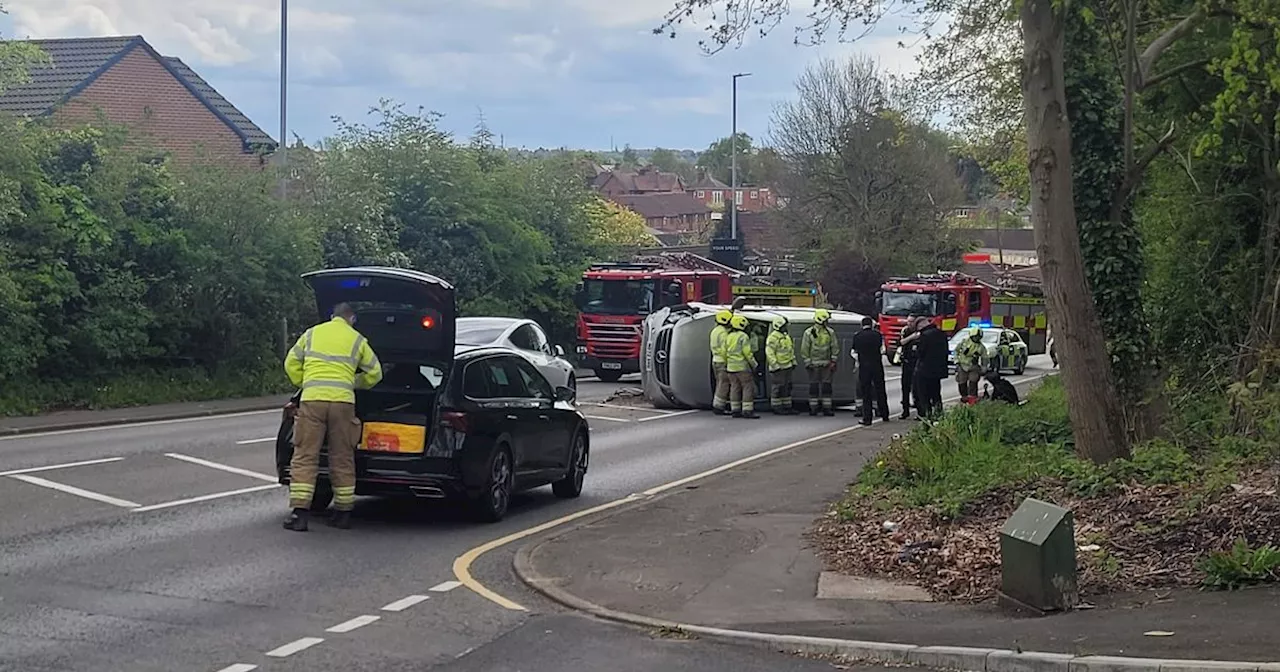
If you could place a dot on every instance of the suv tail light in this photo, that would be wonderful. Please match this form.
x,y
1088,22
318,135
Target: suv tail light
x,y
455,420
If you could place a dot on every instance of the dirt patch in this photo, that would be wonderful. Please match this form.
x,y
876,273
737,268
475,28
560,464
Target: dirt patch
x,y
1146,537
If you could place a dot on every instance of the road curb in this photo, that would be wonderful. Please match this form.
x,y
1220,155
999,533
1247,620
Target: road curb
x,y
938,657
152,417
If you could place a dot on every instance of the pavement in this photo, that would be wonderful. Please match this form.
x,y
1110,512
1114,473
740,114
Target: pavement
x,y
729,552
156,546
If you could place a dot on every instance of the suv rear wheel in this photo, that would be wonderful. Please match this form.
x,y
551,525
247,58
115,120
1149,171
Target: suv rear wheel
x,y
570,487
491,505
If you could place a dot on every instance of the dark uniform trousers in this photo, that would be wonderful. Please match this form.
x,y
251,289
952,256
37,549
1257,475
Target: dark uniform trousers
x,y
871,387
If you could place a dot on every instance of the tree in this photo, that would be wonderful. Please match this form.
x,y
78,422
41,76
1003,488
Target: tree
x,y
1095,409
617,228
668,161
630,160
868,186
717,159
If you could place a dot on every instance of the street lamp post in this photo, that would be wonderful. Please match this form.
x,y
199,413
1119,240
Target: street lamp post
x,y
283,146
733,149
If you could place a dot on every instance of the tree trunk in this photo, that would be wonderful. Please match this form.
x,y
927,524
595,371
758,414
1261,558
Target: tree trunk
x,y
1096,416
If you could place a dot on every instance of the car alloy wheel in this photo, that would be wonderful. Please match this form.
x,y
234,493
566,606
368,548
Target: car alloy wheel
x,y
570,486
500,483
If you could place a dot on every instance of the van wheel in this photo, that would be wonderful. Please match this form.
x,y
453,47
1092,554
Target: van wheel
x,y
609,376
570,487
491,505
323,497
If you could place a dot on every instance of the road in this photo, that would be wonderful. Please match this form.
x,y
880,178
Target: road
x,y
158,547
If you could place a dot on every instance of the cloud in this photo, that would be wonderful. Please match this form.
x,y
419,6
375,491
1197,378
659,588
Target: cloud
x,y
546,72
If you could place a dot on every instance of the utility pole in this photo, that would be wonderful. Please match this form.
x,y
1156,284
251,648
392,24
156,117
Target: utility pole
x,y
283,147
733,149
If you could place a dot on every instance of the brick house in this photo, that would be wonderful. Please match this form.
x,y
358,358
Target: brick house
x,y
647,180
668,212
711,191
125,81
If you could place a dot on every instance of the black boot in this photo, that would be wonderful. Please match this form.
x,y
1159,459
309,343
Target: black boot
x,y
750,415
906,413
340,520
297,520
813,410
828,412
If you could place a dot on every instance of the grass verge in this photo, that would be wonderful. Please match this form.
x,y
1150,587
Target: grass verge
x,y
142,388
1199,507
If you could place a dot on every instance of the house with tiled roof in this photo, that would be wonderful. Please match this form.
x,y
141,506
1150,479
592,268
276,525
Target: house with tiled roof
x,y
125,81
750,198
647,180
668,212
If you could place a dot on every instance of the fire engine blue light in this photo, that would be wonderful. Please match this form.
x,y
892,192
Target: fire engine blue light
x,y
349,283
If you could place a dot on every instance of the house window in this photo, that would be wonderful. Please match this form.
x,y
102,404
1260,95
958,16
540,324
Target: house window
x,y
702,193
737,197
755,195
717,197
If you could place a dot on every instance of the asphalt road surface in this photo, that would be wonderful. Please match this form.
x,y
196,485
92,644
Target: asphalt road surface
x,y
158,547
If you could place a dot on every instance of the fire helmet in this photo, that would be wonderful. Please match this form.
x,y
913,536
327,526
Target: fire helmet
x,y
976,334
723,317
821,316
738,322
779,323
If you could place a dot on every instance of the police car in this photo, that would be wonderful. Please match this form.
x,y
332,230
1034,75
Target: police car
x,y
1015,355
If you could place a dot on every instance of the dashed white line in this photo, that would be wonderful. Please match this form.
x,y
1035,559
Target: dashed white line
x,y
72,490
294,647
249,441
222,467
357,622
203,498
239,667
406,602
445,587
669,415
605,417
68,465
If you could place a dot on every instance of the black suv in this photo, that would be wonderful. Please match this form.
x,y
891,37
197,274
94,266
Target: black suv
x,y
475,423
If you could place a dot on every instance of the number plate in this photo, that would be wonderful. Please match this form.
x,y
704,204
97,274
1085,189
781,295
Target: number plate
x,y
611,365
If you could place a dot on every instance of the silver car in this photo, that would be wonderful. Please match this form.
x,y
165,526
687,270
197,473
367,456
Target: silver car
x,y
675,361
523,336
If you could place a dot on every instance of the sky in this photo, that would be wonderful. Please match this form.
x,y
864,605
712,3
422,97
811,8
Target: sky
x,y
544,73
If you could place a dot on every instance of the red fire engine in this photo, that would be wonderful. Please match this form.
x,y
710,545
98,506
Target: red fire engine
x,y
951,300
614,299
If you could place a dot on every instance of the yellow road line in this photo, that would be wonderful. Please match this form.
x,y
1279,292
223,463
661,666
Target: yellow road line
x,y
462,565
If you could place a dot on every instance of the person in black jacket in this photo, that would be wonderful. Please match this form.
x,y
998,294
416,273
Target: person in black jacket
x,y
868,347
907,355
931,367
1001,389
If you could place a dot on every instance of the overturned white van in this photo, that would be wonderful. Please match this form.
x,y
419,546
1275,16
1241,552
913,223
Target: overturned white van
x,y
675,355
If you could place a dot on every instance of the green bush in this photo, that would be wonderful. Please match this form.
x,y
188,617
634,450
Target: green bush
x,y
1241,566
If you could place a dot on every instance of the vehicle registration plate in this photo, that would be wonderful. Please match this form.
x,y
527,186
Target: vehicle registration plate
x,y
611,365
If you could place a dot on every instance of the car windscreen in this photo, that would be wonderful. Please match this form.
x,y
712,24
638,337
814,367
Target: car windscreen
x,y
618,297
901,304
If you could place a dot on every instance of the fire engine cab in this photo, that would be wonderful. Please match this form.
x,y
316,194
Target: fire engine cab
x,y
950,300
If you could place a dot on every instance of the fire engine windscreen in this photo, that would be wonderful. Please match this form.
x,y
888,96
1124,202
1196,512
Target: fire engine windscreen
x,y
911,303
618,297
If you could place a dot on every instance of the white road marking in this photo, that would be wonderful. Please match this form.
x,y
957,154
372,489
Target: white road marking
x,y
406,602
669,415
625,408
604,417
72,490
68,465
357,622
148,423
294,647
445,587
239,667
204,498
249,441
224,467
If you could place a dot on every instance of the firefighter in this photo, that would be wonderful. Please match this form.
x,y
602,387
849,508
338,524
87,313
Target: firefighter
x,y
971,356
818,351
1004,353
868,349
740,362
780,355
906,354
329,362
720,401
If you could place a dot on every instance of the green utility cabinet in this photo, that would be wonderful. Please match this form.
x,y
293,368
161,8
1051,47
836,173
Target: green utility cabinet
x,y
1038,558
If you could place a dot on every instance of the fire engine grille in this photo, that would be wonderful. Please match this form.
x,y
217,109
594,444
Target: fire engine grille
x,y
662,357
614,340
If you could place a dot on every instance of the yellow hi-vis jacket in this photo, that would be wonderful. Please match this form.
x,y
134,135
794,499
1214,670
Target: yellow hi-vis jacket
x,y
330,361
780,351
718,336
737,352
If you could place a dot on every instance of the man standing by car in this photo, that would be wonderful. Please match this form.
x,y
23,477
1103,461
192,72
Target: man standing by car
x,y
868,347
720,402
971,358
819,353
907,354
931,367
780,355
329,363
740,362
